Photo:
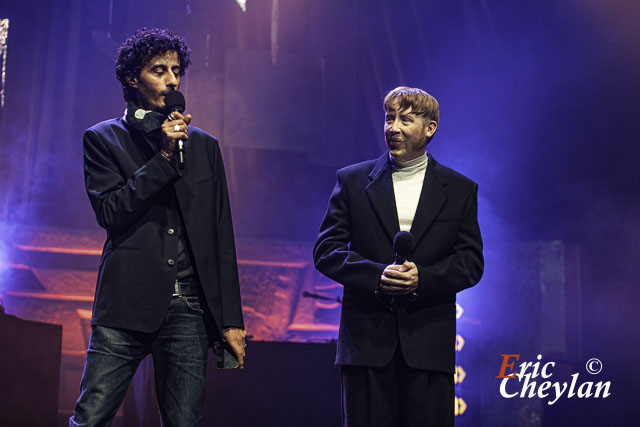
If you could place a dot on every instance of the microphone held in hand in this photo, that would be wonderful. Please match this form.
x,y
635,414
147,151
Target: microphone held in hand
x,y
174,101
402,246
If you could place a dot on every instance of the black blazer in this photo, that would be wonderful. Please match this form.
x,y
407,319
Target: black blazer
x,y
129,185
355,244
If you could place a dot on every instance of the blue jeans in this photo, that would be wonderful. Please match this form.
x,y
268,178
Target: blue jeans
x,y
179,349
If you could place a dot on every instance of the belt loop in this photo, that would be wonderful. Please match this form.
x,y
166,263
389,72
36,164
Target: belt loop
x,y
176,289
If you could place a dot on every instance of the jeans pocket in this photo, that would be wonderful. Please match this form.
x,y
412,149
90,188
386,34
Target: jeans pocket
x,y
193,303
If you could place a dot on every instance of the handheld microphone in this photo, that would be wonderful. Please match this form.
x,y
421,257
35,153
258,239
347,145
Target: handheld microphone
x,y
402,246
174,101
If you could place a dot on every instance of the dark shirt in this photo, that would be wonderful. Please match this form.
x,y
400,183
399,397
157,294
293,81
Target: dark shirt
x,y
186,271
149,126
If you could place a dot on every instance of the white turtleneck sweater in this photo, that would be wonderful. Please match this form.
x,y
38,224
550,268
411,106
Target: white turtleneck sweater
x,y
407,186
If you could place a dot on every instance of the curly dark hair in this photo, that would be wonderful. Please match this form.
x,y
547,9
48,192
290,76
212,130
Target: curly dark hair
x,y
144,44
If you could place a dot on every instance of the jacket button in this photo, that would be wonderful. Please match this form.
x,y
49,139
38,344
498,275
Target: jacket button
x,y
170,231
171,262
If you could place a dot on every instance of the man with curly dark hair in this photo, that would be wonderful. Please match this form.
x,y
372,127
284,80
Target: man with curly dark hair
x,y
138,49
168,277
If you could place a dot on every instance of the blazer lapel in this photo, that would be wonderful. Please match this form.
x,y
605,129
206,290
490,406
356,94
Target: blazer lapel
x,y
432,199
381,196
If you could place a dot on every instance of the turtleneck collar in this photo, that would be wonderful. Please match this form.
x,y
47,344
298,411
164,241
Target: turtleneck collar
x,y
142,120
410,165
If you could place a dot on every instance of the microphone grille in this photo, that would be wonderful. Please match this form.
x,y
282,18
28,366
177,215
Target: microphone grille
x,y
174,101
403,243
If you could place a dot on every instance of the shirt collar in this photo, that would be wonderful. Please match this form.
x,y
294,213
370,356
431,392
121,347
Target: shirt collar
x,y
417,163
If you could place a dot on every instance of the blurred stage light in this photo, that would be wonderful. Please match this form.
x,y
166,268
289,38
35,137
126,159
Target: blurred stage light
x,y
460,406
242,4
459,311
459,342
4,35
459,375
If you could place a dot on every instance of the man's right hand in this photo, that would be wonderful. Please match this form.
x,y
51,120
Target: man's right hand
x,y
170,135
399,279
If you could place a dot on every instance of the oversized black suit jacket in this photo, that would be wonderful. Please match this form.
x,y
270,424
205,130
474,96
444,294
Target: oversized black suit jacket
x,y
129,186
355,244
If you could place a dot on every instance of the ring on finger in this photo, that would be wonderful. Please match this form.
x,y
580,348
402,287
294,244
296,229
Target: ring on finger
x,y
170,117
176,128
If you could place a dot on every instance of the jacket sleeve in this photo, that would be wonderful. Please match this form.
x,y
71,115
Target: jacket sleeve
x,y
226,249
332,255
463,268
116,200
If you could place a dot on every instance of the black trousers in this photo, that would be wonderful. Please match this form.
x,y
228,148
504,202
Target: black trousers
x,y
396,396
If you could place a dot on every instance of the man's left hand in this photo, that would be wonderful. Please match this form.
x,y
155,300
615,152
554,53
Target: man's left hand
x,y
235,338
399,279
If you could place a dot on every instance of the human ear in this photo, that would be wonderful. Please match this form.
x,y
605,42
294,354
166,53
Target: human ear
x,y
430,128
132,81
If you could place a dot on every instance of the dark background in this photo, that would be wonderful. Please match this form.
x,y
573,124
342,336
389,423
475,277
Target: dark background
x,y
538,105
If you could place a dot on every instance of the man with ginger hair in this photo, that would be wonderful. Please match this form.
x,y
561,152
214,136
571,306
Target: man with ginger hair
x,y
398,323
